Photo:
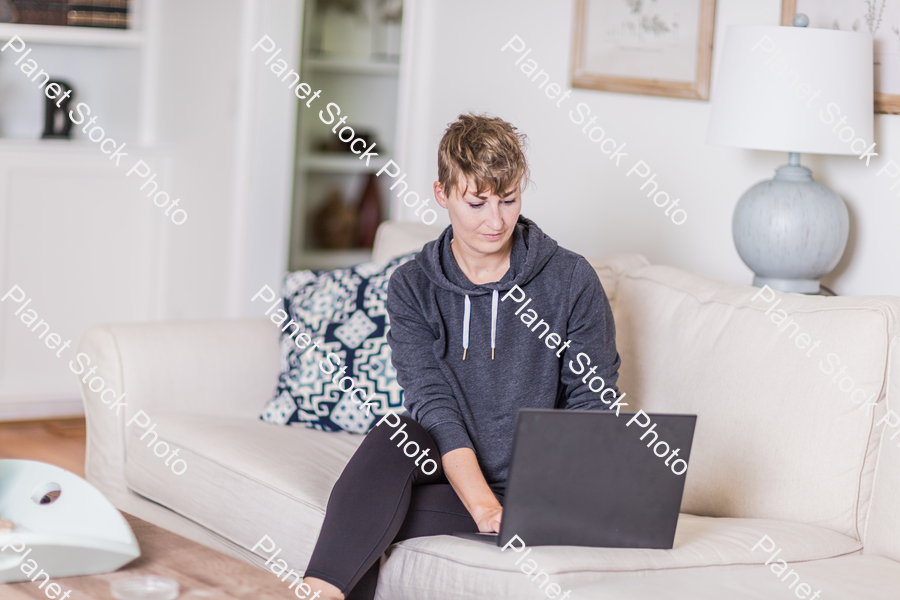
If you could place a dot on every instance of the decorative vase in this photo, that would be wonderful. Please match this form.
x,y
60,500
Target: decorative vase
x,y
386,30
335,223
7,12
346,34
368,213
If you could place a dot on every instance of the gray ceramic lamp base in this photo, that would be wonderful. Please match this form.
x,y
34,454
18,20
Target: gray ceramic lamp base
x,y
800,286
790,230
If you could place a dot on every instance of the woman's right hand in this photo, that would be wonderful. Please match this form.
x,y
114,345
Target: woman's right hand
x,y
488,519
464,474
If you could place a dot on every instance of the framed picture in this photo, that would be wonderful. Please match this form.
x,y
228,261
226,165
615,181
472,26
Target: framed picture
x,y
881,18
653,47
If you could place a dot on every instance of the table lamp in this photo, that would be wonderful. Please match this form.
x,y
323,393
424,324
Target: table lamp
x,y
796,90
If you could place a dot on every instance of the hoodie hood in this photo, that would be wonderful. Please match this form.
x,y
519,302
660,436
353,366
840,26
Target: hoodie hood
x,y
531,250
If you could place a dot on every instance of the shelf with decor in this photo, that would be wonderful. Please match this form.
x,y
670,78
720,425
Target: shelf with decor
x,y
322,260
351,52
72,36
339,163
104,62
352,66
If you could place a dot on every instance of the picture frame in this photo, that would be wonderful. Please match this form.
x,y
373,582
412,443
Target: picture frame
x,y
879,17
649,47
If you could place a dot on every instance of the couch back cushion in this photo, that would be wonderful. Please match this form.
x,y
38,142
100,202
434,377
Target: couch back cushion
x,y
611,268
395,238
776,436
882,532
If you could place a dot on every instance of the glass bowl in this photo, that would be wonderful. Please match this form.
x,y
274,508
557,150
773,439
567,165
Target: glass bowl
x,y
146,587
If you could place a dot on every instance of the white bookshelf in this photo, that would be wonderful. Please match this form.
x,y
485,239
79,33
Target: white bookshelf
x,y
111,70
183,89
338,163
72,36
64,205
367,90
352,67
334,259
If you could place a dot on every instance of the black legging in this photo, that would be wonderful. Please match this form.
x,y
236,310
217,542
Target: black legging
x,y
381,498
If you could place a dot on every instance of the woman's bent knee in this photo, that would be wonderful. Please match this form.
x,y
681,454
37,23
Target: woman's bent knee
x,y
402,431
402,435
399,427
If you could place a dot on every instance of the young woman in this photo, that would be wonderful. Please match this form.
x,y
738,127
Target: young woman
x,y
470,351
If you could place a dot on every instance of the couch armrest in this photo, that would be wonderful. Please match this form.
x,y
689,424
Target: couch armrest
x,y
206,367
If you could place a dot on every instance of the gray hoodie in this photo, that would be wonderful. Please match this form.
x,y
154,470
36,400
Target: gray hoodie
x,y
437,315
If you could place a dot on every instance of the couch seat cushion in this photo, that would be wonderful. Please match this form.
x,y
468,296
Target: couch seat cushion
x,y
445,567
857,577
245,478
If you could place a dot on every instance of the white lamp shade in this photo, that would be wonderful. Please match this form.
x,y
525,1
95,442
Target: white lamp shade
x,y
787,88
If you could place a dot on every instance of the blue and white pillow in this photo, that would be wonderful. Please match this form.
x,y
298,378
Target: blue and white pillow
x,y
344,310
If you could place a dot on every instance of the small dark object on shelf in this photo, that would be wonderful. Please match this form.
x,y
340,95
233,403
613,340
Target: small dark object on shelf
x,y
57,124
352,7
368,213
334,144
391,10
42,12
7,12
334,224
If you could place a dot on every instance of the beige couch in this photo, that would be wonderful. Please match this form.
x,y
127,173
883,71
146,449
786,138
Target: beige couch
x,y
780,450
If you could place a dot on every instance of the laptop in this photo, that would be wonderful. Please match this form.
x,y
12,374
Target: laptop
x,y
584,478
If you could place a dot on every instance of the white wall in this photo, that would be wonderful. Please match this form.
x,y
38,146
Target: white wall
x,y
579,197
230,125
196,118
265,142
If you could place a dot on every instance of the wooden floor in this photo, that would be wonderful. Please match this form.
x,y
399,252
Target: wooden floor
x,y
60,442
200,572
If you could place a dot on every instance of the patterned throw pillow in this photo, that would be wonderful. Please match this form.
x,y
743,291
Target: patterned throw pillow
x,y
344,311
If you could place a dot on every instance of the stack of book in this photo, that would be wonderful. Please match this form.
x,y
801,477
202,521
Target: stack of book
x,y
40,12
98,13
80,13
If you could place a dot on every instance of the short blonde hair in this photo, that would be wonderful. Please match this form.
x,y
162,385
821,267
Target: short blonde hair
x,y
486,149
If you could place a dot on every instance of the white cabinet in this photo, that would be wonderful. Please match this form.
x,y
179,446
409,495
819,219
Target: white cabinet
x,y
85,245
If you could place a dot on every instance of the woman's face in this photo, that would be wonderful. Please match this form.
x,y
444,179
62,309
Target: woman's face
x,y
482,223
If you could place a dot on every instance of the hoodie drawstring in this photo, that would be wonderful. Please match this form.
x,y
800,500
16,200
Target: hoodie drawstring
x,y
495,296
466,326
